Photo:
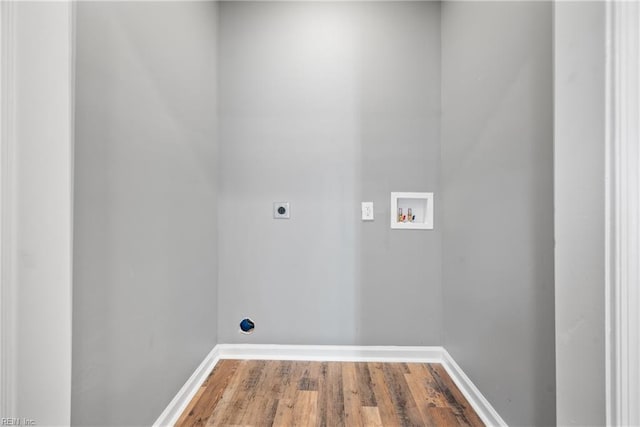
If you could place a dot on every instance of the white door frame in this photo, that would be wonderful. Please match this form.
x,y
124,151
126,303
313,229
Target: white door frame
x,y
7,210
622,300
36,185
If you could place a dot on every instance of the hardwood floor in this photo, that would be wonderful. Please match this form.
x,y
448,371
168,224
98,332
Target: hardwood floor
x,y
285,393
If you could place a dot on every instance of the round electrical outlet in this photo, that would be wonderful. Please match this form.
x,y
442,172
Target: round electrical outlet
x,y
281,210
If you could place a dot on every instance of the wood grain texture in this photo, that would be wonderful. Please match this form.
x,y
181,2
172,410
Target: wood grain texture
x,y
328,394
205,401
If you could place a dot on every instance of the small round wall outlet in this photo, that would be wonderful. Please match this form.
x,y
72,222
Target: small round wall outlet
x,y
281,210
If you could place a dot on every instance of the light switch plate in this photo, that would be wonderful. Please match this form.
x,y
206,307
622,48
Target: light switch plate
x,y
367,211
281,210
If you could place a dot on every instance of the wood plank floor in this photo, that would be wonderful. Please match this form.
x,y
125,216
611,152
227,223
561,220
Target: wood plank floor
x,y
285,393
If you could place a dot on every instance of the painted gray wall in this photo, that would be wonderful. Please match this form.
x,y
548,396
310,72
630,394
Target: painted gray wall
x,y
497,177
325,105
145,251
579,212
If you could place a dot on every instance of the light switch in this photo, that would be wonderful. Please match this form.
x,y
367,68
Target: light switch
x,y
367,211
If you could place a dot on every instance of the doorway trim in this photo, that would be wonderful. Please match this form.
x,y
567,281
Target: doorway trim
x,y
622,220
8,187
36,112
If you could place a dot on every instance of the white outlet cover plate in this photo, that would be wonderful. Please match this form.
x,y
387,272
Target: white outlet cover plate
x,y
277,206
367,211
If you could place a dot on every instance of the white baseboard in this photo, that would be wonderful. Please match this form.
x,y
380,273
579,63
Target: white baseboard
x,y
330,353
179,403
478,402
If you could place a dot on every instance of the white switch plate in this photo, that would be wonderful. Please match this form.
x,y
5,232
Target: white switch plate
x,y
367,211
281,210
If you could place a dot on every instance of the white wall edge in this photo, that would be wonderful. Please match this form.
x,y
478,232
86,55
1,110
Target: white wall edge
x,y
8,191
179,403
72,4
478,402
330,353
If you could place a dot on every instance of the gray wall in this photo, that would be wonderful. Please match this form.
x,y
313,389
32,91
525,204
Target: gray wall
x,y
325,105
497,177
579,212
145,252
